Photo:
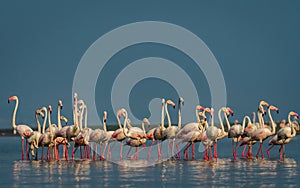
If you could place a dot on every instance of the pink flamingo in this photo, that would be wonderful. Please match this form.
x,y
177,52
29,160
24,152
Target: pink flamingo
x,y
263,133
190,127
251,128
118,134
136,142
235,132
33,140
192,137
23,130
285,134
46,139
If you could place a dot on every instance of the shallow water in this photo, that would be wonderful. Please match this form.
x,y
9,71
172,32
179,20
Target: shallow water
x,y
172,173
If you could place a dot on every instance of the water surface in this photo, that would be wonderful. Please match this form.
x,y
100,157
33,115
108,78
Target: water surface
x,y
172,173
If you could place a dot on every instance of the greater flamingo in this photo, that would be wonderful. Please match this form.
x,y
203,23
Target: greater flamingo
x,y
23,130
285,134
235,132
263,133
137,142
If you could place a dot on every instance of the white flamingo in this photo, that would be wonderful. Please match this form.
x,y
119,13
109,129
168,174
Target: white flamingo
x,y
263,133
285,134
137,142
23,130
235,132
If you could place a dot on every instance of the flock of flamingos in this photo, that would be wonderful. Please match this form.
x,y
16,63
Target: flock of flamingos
x,y
139,138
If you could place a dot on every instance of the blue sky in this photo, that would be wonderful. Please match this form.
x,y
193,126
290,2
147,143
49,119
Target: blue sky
x,y
255,43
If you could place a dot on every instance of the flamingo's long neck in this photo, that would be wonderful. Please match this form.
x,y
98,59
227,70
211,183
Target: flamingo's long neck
x,y
260,119
244,122
104,125
81,118
125,123
85,117
119,122
179,116
143,127
75,115
50,125
58,118
197,115
38,122
168,116
254,117
45,120
272,121
14,116
290,124
212,119
227,122
162,123
220,119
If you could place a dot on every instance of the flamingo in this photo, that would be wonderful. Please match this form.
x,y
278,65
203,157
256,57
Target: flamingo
x,y
132,132
212,133
119,134
235,132
137,142
192,137
285,134
23,130
73,130
263,133
46,139
82,139
251,128
35,135
172,131
159,131
193,125
107,135
190,127
97,136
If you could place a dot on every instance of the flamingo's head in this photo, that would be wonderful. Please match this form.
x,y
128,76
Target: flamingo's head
x,y
121,112
60,104
80,102
209,110
63,118
163,101
171,103
229,111
198,107
274,108
12,98
294,114
50,108
15,131
75,96
104,116
264,103
145,120
181,100
202,114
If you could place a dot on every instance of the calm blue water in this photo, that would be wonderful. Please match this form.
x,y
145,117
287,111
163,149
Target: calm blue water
x,y
180,173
